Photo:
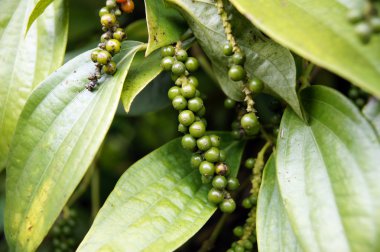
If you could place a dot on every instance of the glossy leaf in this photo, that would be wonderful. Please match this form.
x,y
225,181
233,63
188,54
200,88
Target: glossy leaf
x,y
265,59
274,232
40,7
165,25
26,60
157,204
372,113
320,32
328,173
57,137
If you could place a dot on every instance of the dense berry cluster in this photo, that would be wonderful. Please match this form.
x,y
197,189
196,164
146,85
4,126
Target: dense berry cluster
x,y
110,41
62,231
358,96
208,158
366,21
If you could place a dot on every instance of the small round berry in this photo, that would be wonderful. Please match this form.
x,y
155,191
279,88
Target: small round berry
x,y
192,64
173,92
175,78
195,104
197,129
128,6
192,80
222,155
167,63
255,85
229,103
94,55
360,102
188,142
238,231
201,112
206,168
222,169
105,37
119,34
206,179
215,140
178,68
215,196
188,91
179,102
113,46
353,93
249,163
236,134
204,143
110,4
181,55
182,128
355,15
227,49
232,184
110,68
212,155
375,24
228,206
247,244
246,203
238,58
253,199
249,122
103,11
219,182
363,31
167,51
118,12
186,117
108,20
196,160
236,73
103,57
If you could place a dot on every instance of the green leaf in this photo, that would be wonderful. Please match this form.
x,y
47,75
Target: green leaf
x,y
27,60
372,112
328,173
57,137
165,25
37,11
274,232
138,31
320,32
158,203
265,59
143,71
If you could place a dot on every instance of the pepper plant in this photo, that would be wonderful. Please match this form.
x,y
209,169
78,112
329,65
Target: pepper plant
x,y
190,125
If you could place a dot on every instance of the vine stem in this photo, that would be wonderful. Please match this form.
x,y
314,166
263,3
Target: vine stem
x,y
305,78
227,26
209,243
204,62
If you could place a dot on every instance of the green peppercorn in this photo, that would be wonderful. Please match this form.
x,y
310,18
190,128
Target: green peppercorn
x,y
249,163
222,169
108,20
178,68
179,102
113,46
181,55
212,155
192,64
188,91
215,196
222,155
255,85
195,104
228,49
186,117
232,184
167,63
236,134
197,129
173,92
246,203
253,199
355,15
206,168
110,68
111,4
196,160
206,179
249,122
363,31
219,182
182,128
103,57
238,58
167,51
103,11
119,34
247,244
236,73
201,112
94,55
228,206
118,12
229,103
105,37
204,143
360,102
175,78
238,231
192,80
353,93
215,140
188,142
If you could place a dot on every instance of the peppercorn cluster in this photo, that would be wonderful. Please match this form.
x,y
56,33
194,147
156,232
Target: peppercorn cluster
x,y
208,158
366,21
358,96
62,238
110,41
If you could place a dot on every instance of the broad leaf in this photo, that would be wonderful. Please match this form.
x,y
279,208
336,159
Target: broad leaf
x,y
165,25
372,112
320,32
158,203
328,173
274,232
265,59
26,60
40,7
57,137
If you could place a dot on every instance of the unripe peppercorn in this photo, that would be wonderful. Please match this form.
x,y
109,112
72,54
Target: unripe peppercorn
x,y
103,11
103,57
206,168
113,46
232,184
238,58
212,155
173,92
229,103
255,85
178,68
181,55
215,196
250,123
195,104
188,91
219,182
94,55
179,102
196,160
192,80
204,143
186,117
192,64
197,129
167,51
110,4
182,128
215,140
108,20
119,34
110,68
249,163
167,63
188,142
227,206
236,73
228,50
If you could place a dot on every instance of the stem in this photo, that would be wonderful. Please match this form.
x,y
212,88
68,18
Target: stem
x,y
305,78
204,62
95,200
208,244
